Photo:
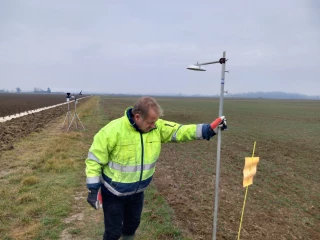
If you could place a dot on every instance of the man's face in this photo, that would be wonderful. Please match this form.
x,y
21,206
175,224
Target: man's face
x,y
147,123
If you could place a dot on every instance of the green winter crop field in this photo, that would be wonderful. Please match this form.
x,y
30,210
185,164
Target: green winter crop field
x,y
42,181
283,203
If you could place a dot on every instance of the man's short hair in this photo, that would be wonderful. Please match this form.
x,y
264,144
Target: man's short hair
x,y
143,105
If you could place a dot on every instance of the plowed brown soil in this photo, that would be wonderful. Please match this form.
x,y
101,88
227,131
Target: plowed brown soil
x,y
13,130
15,103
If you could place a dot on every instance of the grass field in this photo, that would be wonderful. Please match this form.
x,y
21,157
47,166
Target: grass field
x,y
42,181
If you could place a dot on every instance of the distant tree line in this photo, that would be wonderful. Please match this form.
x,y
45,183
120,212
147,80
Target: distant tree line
x,y
39,90
272,95
35,90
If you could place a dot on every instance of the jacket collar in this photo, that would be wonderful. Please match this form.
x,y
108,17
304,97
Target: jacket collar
x,y
130,118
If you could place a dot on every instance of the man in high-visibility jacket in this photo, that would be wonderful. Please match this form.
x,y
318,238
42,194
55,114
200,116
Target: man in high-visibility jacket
x,y
122,159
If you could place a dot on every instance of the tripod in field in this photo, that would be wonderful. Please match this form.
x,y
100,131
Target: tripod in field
x,y
75,116
68,115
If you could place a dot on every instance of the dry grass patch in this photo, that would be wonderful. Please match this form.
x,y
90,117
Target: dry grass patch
x,y
25,232
26,198
34,211
31,180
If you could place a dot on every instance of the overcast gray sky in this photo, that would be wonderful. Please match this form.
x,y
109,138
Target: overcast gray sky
x,y
145,46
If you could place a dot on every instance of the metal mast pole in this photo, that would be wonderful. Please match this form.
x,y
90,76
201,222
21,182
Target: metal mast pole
x,y
75,112
216,195
68,113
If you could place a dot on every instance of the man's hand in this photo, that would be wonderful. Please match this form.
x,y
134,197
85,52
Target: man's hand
x,y
93,198
219,122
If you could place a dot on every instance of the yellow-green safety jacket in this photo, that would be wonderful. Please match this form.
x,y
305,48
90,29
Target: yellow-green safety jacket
x,y
123,159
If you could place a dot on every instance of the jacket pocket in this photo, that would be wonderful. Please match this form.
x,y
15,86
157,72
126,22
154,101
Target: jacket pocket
x,y
126,152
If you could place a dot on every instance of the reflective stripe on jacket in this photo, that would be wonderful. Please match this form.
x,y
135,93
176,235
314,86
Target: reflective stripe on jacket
x,y
124,159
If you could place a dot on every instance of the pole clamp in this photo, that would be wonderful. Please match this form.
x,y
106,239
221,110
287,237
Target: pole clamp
x,y
222,60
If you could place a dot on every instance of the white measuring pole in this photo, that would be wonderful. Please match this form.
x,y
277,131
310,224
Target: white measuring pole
x,y
216,195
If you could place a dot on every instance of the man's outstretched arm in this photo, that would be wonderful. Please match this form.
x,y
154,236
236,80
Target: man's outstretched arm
x,y
175,132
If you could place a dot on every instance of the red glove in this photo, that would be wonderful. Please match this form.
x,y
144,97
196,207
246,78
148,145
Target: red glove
x,y
219,122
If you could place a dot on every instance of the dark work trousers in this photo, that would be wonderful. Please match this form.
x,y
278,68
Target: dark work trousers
x,y
121,214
